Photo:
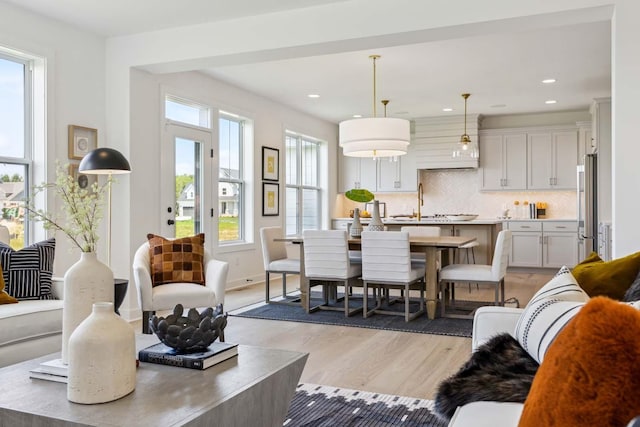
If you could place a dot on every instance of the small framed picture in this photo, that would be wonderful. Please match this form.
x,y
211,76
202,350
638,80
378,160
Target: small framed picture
x,y
81,141
270,198
85,181
270,165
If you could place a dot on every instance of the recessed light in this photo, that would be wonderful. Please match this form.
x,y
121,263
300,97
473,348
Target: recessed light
x,y
357,116
447,109
551,101
313,95
498,105
547,81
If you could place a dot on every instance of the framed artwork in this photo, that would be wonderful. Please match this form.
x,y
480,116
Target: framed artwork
x,y
270,164
81,141
85,181
270,198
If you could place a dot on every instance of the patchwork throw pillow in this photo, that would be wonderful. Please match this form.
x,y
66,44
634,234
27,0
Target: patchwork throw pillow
x,y
27,272
590,375
178,260
550,309
499,370
5,298
607,278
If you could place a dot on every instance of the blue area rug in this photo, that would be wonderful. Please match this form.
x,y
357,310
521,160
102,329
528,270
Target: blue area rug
x,y
422,324
325,406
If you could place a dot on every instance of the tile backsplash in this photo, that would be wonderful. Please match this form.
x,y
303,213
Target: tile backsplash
x,y
458,191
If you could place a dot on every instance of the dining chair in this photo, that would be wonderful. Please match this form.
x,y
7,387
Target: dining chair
x,y
420,231
5,236
478,273
276,260
386,264
327,263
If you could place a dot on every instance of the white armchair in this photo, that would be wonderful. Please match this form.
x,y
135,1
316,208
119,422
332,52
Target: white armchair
x,y
166,296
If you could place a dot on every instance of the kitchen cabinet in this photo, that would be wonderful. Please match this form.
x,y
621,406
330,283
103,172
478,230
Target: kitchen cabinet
x,y
586,143
503,160
380,175
546,244
551,160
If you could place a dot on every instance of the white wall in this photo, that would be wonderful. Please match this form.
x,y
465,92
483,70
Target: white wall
x,y
75,91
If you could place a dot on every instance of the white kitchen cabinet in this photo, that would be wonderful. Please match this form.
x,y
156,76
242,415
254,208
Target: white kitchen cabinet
x,y
551,160
356,172
379,175
586,143
546,244
503,161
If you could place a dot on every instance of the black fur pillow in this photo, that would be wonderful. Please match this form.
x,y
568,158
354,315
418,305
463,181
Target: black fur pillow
x,y
500,370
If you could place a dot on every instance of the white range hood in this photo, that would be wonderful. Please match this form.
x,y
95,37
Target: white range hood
x,y
435,138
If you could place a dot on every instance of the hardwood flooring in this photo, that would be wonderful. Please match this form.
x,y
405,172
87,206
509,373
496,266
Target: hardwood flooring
x,y
402,363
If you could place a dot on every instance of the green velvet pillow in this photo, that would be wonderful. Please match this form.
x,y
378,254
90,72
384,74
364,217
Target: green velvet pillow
x,y
607,278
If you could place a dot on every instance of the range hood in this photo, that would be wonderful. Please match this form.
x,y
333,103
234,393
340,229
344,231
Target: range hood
x,y
435,138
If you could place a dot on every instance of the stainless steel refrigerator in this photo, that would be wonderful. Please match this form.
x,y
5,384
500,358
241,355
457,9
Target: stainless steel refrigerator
x,y
588,205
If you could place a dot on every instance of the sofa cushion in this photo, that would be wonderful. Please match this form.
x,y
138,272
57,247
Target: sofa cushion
x,y
550,309
29,319
5,298
590,375
607,278
499,370
633,293
27,272
178,260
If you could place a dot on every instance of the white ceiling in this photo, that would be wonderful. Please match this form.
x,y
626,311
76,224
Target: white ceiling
x,y
418,79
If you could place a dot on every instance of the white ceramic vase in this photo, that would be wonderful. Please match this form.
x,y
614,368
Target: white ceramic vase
x,y
102,357
376,223
356,226
86,282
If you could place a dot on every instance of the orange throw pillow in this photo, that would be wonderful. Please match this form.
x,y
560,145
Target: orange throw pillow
x,y
590,375
607,278
5,298
178,260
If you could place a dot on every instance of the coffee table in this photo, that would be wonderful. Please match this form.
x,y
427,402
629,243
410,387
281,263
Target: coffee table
x,y
252,389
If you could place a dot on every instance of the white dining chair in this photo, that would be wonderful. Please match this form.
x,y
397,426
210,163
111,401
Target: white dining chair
x,y
327,263
420,231
478,273
276,260
386,264
5,236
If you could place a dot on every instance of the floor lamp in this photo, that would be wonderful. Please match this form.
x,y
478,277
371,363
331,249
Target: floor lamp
x,y
105,161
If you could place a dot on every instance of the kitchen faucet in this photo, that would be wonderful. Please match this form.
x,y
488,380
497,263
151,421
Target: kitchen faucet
x,y
420,200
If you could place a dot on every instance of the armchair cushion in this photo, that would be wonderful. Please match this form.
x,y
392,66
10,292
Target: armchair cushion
x,y
27,272
178,260
590,375
607,278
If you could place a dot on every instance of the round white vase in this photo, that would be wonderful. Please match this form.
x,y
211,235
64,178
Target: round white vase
x,y
86,282
102,357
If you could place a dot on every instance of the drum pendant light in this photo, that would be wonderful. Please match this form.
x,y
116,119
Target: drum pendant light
x,y
375,136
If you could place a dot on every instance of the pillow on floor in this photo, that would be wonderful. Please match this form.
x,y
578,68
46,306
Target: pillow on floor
x,y
5,298
178,260
499,370
607,278
550,309
27,272
590,375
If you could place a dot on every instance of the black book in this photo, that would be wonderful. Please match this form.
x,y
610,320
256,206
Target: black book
x,y
165,355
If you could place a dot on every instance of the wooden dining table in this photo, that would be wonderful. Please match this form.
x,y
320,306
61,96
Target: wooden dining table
x,y
429,245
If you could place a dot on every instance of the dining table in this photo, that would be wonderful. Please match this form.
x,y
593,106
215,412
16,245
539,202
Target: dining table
x,y
431,246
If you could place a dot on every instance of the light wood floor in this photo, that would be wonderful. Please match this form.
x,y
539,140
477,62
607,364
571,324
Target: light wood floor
x,y
402,363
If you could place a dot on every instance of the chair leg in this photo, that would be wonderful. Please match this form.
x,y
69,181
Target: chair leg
x,y
146,315
365,299
284,285
266,287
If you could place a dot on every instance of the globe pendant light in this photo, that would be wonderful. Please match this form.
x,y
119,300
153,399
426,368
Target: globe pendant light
x,y
375,136
466,147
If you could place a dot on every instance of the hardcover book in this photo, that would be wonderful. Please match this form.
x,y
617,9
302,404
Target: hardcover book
x,y
165,355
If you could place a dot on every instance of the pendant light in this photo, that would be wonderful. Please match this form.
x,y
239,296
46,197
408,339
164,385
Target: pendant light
x,y
466,147
375,136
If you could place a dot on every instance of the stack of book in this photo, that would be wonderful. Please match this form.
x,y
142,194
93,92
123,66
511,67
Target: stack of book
x,y
164,355
51,370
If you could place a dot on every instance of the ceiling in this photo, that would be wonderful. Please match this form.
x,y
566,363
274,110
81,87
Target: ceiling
x,y
503,72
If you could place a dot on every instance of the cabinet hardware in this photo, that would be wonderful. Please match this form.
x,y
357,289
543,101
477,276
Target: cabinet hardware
x,y
525,226
561,226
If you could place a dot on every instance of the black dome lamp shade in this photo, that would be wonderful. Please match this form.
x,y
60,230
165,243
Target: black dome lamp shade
x,y
104,161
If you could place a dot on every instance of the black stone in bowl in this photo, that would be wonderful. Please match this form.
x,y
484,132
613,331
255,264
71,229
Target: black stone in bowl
x,y
192,333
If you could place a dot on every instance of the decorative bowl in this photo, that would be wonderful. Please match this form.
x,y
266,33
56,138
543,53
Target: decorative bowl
x,y
462,217
192,333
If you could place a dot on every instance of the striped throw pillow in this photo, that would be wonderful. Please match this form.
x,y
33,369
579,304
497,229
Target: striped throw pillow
x,y
27,272
548,312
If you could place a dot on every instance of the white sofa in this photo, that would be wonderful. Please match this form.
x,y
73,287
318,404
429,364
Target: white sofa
x,y
489,321
31,329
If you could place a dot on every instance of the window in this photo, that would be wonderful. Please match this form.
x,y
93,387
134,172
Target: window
x,y
15,146
231,185
185,111
303,201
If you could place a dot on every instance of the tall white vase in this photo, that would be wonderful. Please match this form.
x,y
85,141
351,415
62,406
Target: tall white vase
x,y
376,223
86,282
102,357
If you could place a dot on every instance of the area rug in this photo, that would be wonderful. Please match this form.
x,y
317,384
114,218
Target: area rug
x,y
323,406
422,324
